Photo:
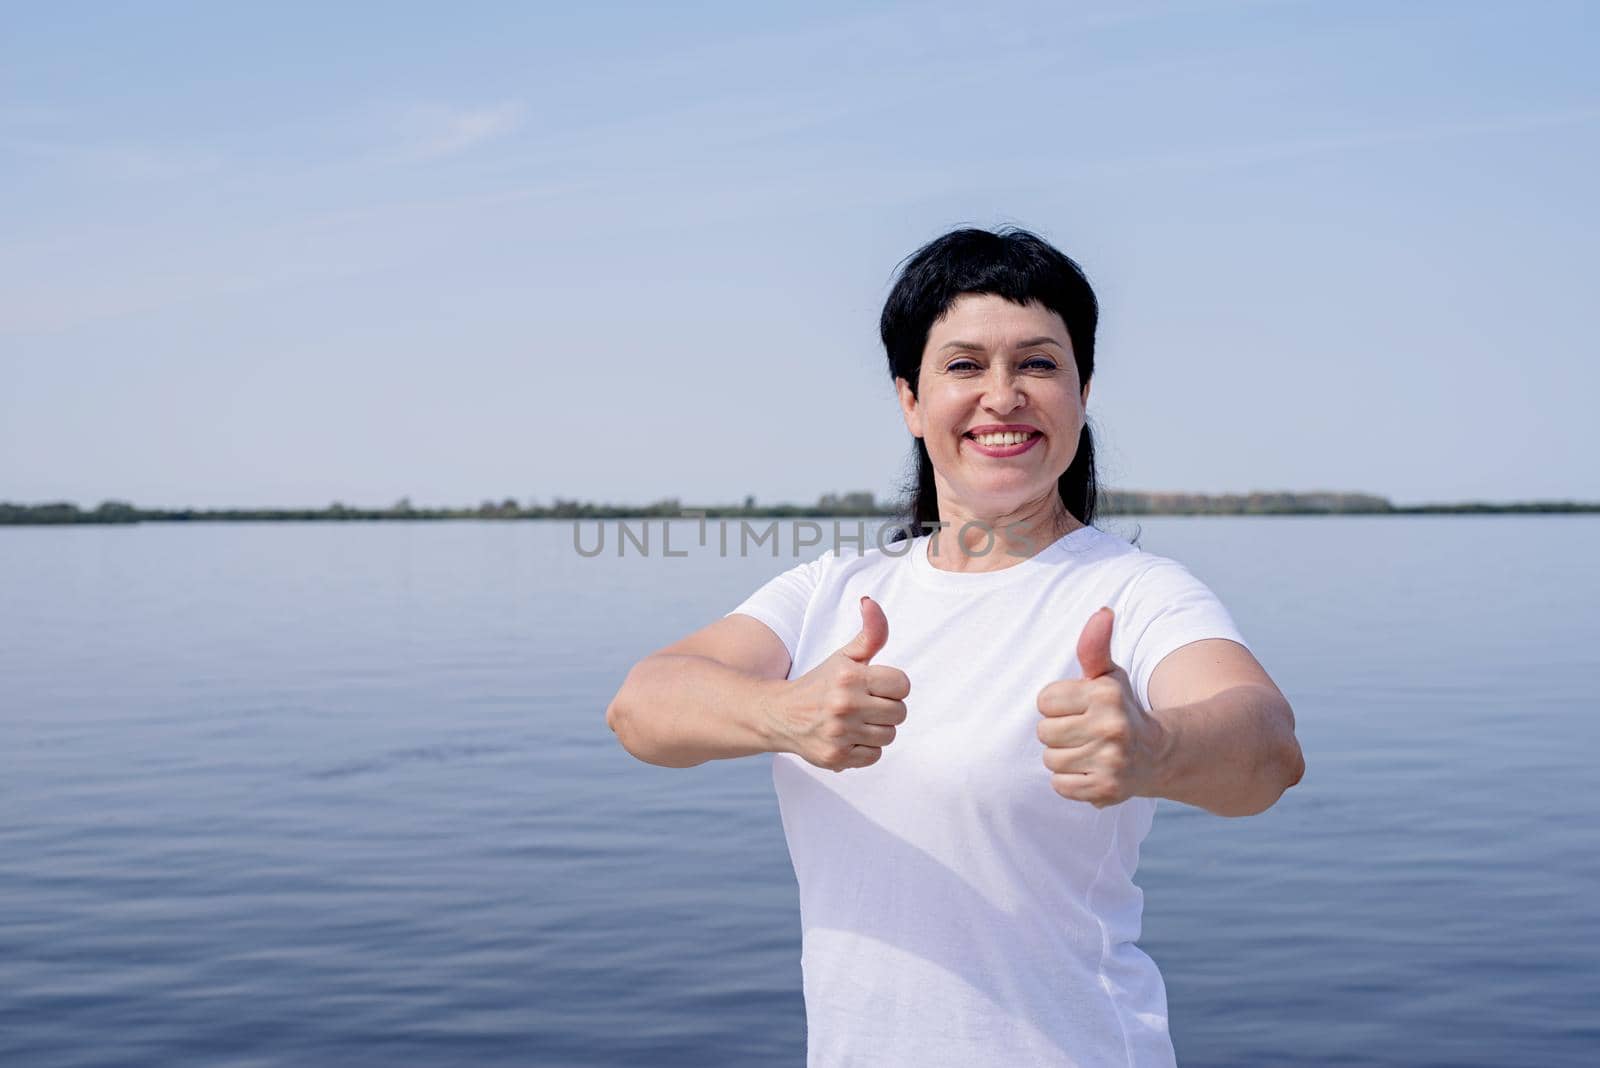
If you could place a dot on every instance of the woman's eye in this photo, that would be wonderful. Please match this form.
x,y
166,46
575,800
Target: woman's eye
x,y
1037,363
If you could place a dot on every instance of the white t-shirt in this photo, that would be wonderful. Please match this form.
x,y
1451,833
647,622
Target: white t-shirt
x,y
956,910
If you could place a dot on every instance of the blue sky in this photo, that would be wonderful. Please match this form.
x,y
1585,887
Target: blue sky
x,y
289,254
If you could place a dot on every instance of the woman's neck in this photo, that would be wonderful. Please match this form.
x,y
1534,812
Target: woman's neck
x,y
968,540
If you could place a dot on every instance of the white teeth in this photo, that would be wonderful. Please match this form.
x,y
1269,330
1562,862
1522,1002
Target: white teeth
x,y
1006,438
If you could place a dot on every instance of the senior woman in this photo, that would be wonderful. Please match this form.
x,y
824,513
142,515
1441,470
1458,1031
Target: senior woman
x,y
970,725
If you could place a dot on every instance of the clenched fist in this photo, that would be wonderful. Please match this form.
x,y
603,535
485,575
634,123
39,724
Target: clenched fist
x,y
1099,744
842,712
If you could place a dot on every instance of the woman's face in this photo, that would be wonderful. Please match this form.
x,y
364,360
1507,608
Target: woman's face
x,y
991,367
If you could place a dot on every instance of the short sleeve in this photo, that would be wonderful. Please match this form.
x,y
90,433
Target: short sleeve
x,y
781,603
1165,608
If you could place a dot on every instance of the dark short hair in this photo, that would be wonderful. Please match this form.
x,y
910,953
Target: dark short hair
x,y
1020,267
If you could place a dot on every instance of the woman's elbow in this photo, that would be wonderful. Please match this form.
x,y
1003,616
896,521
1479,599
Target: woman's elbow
x,y
615,719
1273,781
1285,767
619,714
626,722
1291,763
1297,765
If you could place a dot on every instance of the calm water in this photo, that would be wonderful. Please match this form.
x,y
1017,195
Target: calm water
x,y
343,794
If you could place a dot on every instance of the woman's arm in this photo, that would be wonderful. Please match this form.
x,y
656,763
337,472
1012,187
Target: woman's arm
x,y
704,698
724,692
1226,732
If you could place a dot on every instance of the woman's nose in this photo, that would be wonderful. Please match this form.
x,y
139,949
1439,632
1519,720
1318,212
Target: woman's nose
x,y
1003,394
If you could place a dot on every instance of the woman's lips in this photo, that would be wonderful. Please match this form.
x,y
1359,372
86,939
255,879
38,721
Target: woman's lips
x,y
1004,450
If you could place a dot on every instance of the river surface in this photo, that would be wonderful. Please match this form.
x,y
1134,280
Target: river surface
x,y
343,793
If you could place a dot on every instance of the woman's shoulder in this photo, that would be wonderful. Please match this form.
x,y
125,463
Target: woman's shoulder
x,y
1146,579
1111,556
849,559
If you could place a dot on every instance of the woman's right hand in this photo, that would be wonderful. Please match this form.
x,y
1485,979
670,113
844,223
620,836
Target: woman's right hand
x,y
842,712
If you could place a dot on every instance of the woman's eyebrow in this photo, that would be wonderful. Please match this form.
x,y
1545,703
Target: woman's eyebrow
x,y
973,346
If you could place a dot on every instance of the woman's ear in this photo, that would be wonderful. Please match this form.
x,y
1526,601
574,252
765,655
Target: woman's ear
x,y
908,407
1086,386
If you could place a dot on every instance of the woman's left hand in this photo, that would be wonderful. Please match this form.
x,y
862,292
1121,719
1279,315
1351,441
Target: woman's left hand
x,y
1100,746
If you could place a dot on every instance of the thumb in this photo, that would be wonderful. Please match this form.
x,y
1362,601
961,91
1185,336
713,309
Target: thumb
x,y
874,633
1094,645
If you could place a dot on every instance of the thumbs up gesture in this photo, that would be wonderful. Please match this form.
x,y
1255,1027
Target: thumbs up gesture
x,y
842,712
1099,744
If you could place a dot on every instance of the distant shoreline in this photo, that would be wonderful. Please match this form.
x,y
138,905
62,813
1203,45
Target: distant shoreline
x,y
850,505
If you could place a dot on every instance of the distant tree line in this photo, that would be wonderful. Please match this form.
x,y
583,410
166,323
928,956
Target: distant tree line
x,y
829,505
1117,502
67,512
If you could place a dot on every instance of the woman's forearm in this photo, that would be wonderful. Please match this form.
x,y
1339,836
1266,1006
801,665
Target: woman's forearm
x,y
1233,754
678,711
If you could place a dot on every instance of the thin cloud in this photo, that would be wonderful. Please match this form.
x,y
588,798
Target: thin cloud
x,y
440,133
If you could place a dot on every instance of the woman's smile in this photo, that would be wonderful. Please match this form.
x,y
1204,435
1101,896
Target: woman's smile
x,y
1003,440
